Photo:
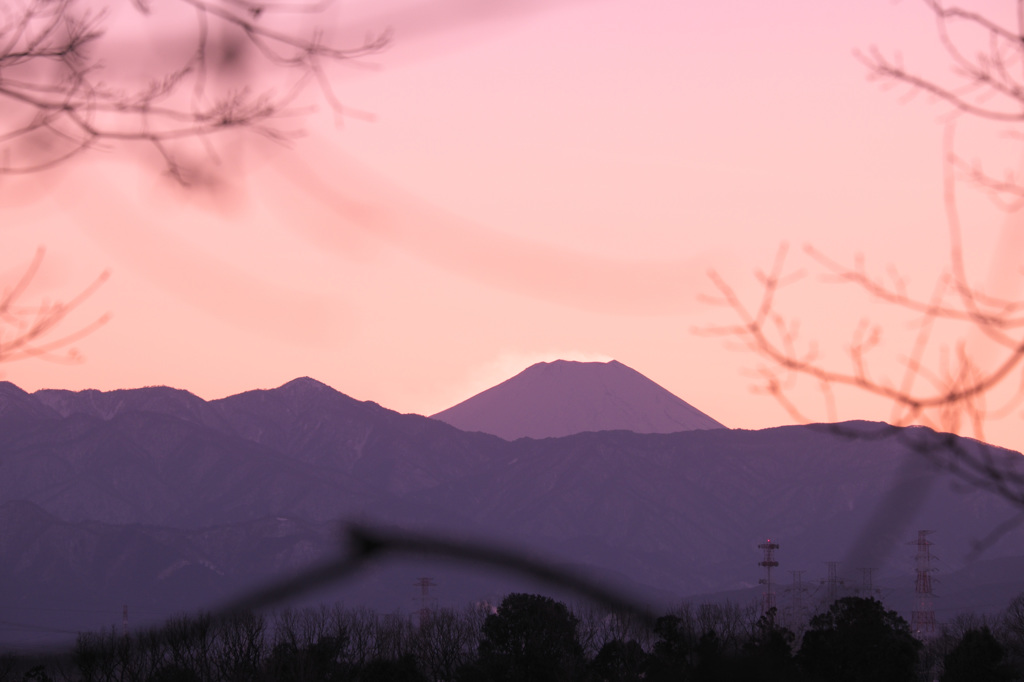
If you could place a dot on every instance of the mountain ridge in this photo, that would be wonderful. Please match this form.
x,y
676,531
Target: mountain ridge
x,y
156,491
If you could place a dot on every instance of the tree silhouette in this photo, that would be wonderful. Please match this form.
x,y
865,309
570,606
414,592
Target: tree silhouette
x,y
768,654
619,661
530,638
403,669
857,639
446,640
670,657
977,657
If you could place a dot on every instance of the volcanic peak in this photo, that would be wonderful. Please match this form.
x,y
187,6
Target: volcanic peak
x,y
563,397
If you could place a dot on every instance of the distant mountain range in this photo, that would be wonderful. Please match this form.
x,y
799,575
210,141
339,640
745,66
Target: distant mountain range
x,y
164,502
560,398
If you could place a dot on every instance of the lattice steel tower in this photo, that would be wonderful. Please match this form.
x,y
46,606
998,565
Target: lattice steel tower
x,y
768,563
796,614
425,601
867,587
922,620
832,583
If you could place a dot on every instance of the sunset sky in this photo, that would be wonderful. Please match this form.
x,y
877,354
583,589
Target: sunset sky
x,y
539,180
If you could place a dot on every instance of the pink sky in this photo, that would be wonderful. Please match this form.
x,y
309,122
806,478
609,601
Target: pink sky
x,y
552,181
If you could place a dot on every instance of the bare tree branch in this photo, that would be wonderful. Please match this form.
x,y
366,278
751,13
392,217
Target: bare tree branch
x,y
32,330
985,82
942,383
57,99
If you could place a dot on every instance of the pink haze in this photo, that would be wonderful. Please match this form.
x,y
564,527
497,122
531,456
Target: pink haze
x,y
548,181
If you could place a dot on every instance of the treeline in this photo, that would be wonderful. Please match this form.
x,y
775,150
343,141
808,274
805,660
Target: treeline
x,y
537,639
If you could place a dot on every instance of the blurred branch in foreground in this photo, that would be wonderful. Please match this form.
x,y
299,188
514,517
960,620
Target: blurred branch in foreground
x,y
367,544
69,81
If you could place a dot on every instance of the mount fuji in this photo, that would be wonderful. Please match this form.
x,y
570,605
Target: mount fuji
x,y
561,398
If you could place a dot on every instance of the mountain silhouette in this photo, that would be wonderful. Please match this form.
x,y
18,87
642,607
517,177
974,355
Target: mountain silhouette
x,y
165,502
560,398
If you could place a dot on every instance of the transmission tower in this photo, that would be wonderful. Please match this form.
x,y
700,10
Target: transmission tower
x,y
867,584
425,601
796,615
922,620
768,563
832,583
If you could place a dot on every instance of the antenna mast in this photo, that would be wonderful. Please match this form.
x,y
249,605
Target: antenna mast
x,y
922,620
768,563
